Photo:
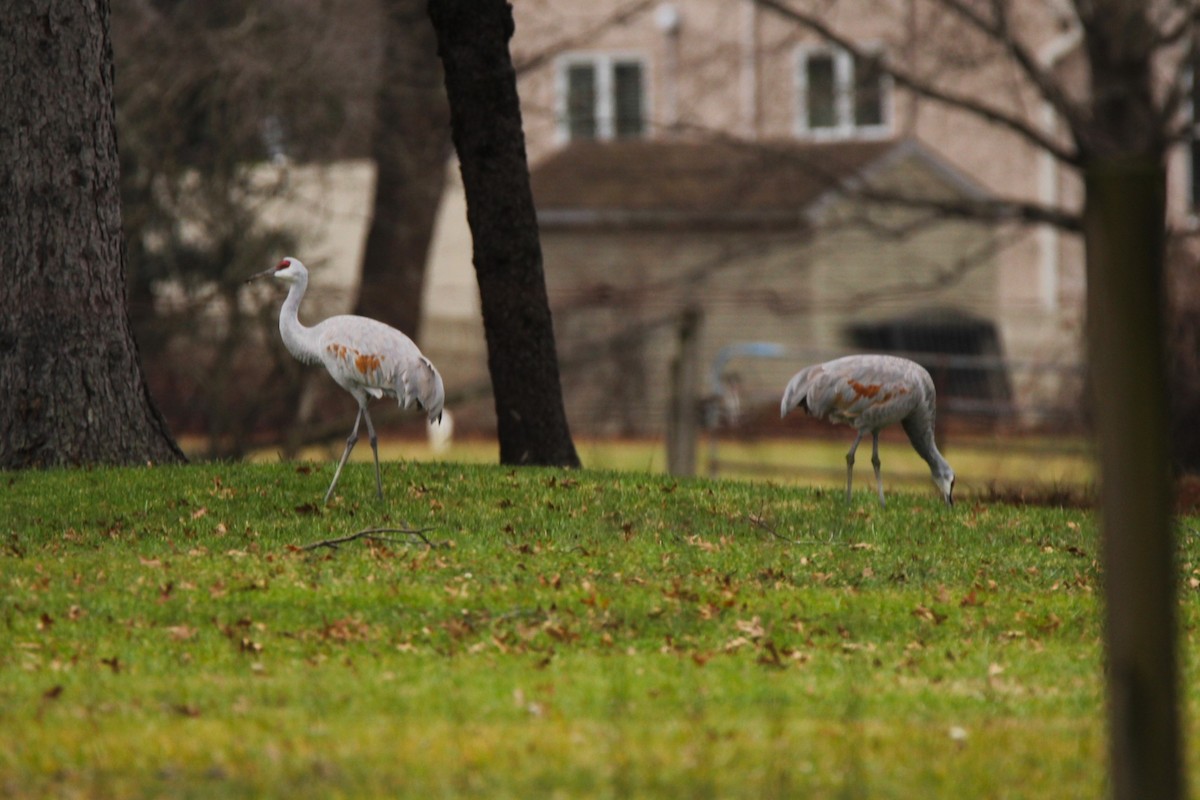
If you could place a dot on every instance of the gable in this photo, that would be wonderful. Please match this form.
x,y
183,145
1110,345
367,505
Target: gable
x,y
659,183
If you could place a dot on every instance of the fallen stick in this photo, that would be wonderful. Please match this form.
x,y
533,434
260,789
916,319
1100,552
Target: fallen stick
x,y
375,535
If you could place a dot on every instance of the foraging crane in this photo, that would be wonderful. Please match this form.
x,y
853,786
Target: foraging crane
x,y
367,358
868,393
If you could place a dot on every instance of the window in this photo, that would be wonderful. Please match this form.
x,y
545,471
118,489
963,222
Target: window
x,y
627,99
601,97
841,95
581,101
821,97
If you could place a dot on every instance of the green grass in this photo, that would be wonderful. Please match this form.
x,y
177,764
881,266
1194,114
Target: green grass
x,y
981,463
586,634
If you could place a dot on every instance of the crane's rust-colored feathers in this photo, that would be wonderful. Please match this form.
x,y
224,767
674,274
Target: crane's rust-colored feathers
x,y
369,358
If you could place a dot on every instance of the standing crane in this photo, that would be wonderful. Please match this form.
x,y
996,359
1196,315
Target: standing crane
x,y
367,358
868,393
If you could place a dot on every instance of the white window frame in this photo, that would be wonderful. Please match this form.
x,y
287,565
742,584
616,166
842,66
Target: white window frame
x,y
843,77
604,65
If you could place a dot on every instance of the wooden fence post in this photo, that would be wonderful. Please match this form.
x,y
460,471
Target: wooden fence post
x,y
683,412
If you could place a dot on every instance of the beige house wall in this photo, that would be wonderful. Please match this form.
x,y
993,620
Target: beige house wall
x,y
618,295
326,207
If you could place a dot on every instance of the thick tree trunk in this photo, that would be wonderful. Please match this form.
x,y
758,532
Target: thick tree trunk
x,y
72,385
485,121
1125,230
411,145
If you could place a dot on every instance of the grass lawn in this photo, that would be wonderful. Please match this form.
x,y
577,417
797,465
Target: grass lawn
x,y
572,634
980,463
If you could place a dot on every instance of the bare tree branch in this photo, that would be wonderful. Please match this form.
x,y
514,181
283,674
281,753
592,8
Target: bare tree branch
x,y
374,535
619,17
1174,116
1171,32
1000,31
994,210
988,209
942,278
924,88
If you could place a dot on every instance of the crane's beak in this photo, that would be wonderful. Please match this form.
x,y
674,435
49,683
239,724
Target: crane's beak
x,y
262,274
946,487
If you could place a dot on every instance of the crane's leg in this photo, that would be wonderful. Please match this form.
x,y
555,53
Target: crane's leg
x,y
375,450
350,440
875,464
850,464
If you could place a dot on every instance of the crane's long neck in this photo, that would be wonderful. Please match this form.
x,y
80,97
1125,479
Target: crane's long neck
x,y
919,428
297,338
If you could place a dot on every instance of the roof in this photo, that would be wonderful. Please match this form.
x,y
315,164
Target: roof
x,y
646,182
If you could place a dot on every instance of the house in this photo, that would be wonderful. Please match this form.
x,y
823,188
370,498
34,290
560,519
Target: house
x,y
767,244
713,153
703,152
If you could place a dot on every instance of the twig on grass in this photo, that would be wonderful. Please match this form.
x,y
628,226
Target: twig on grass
x,y
375,535
760,521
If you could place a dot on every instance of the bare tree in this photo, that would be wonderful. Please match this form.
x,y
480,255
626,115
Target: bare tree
x,y
485,118
217,104
410,148
68,363
1118,126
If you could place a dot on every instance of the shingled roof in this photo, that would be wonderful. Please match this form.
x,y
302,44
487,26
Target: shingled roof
x,y
655,182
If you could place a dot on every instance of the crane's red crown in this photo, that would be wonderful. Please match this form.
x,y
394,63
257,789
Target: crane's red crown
x,y
282,265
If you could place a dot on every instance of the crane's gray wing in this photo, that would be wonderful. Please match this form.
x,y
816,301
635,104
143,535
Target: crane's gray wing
x,y
868,391
362,354
420,383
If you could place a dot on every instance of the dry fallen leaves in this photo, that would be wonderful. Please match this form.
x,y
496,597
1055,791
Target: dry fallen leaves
x,y
180,633
928,614
751,627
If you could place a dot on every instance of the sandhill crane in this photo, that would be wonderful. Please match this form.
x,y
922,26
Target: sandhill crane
x,y
367,358
868,393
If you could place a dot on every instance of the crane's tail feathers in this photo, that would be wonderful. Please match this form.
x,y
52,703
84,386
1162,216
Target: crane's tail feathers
x,y
422,385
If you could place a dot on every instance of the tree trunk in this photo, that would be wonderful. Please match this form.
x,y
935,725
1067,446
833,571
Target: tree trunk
x,y
1125,232
485,121
74,392
411,145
